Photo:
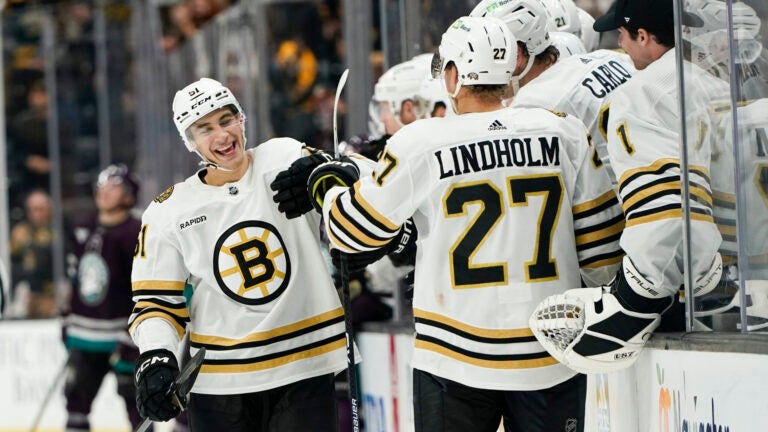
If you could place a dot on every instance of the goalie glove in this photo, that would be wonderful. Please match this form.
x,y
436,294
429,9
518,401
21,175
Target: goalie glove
x,y
603,329
290,185
328,175
156,370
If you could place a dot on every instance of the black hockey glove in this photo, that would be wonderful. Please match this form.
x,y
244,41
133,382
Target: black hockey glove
x,y
328,175
290,185
155,372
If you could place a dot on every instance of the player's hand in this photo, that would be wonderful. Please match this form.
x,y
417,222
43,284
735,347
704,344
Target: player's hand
x,y
603,329
328,175
156,370
290,185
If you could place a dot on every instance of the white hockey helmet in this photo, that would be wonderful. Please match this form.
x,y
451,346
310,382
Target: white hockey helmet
x,y
567,43
710,42
526,19
483,50
431,92
196,101
563,16
397,85
589,37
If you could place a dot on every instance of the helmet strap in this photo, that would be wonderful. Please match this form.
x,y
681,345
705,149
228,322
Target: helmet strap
x,y
516,79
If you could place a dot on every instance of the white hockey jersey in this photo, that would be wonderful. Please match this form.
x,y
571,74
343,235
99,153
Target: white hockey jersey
x,y
582,86
509,207
264,305
752,179
643,145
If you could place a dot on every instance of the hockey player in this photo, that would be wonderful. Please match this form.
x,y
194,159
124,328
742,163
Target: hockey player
x,y
709,46
263,305
580,85
509,207
95,328
603,329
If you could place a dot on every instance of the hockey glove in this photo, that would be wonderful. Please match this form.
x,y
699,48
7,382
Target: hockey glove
x,y
328,175
603,329
290,185
155,372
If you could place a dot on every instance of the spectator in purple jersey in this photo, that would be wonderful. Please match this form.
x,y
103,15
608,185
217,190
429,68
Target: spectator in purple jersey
x,y
95,328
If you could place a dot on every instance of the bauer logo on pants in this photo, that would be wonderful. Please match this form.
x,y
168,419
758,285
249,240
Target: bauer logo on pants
x,y
251,264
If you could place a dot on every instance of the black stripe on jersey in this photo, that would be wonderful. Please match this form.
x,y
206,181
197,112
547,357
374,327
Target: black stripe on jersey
x,y
659,170
482,356
271,356
336,239
700,172
665,208
668,179
339,223
275,339
665,192
600,242
610,222
368,217
718,202
155,304
155,293
606,256
594,210
182,322
474,337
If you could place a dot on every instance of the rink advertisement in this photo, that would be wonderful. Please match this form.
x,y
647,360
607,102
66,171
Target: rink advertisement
x,y
32,356
688,391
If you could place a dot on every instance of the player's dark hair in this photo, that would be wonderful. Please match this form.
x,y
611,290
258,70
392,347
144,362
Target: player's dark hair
x,y
662,37
548,57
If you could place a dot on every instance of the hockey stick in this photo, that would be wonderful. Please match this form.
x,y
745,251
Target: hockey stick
x,y
56,381
181,386
345,296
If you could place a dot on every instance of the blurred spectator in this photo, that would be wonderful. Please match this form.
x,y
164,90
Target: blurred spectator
x,y
31,259
293,78
28,163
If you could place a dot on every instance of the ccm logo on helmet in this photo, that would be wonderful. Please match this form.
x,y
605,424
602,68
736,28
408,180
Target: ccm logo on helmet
x,y
200,102
149,361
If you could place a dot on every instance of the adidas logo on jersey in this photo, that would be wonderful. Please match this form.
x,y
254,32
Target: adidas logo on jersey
x,y
496,125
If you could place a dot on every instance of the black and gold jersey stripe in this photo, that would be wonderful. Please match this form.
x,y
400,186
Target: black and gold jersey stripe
x,y
356,226
265,350
481,335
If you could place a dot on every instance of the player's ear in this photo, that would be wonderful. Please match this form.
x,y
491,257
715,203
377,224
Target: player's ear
x,y
451,77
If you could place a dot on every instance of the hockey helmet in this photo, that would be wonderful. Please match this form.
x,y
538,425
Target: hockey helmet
x,y
563,16
567,43
397,85
526,19
710,42
589,37
196,101
431,93
483,50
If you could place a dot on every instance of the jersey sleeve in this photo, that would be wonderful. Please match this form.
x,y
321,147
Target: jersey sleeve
x,y
158,278
643,144
598,220
368,215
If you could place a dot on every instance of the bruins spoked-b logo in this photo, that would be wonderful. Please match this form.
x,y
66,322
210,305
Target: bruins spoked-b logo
x,y
251,264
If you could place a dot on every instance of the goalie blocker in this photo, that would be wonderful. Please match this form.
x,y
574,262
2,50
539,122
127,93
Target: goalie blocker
x,y
603,329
